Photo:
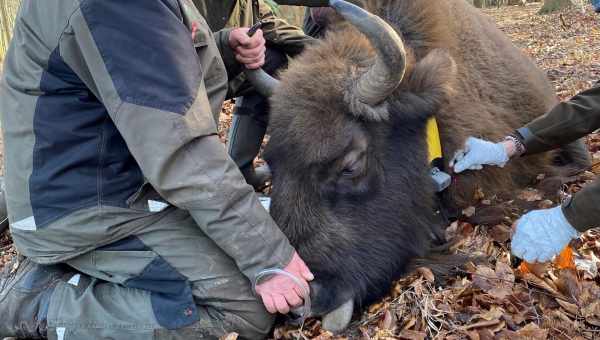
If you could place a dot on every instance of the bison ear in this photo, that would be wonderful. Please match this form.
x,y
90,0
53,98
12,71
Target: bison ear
x,y
427,87
429,83
434,76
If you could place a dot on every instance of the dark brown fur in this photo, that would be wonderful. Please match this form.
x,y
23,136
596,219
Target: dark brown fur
x,y
358,232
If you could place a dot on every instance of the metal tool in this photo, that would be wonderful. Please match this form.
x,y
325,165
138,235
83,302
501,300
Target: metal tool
x,y
255,28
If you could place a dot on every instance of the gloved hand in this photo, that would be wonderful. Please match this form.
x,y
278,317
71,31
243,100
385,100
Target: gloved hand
x,y
477,153
542,234
280,293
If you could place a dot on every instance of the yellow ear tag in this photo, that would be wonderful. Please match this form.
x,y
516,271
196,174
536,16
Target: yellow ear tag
x,y
433,140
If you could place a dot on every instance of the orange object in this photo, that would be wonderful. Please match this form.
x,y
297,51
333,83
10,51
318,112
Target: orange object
x,y
564,260
524,268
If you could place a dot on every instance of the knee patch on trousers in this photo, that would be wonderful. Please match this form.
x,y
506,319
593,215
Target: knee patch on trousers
x,y
170,292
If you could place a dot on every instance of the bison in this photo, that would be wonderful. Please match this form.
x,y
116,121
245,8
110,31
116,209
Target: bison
x,y
351,181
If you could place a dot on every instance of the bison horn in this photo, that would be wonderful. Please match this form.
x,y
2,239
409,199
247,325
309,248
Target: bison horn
x,y
262,81
381,79
376,85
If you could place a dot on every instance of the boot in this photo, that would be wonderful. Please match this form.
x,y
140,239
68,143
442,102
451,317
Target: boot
x,y
25,290
245,139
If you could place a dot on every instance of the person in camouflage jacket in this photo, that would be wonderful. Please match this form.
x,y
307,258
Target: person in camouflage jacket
x,y
251,112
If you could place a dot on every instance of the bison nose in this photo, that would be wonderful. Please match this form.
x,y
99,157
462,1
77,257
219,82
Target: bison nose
x,y
325,299
339,319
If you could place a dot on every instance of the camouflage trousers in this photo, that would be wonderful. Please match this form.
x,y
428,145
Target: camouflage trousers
x,y
168,281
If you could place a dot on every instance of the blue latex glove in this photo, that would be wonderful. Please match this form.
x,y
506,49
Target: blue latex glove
x,y
477,153
542,234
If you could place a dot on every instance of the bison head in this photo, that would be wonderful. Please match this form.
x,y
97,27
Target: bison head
x,y
351,184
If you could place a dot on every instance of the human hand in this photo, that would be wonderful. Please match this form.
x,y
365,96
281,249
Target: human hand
x,y
479,152
541,234
280,293
249,51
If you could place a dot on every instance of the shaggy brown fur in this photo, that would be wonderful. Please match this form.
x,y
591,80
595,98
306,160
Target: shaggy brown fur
x,y
354,195
495,90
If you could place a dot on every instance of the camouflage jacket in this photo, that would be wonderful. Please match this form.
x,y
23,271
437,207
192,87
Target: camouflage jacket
x,y
108,124
567,122
226,14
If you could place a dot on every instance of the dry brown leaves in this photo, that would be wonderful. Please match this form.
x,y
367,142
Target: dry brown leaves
x,y
7,250
498,298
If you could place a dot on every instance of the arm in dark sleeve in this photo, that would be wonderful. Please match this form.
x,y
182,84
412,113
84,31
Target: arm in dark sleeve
x,y
151,83
567,122
583,210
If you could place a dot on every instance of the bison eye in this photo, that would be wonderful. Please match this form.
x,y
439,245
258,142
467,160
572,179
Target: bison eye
x,y
351,170
348,172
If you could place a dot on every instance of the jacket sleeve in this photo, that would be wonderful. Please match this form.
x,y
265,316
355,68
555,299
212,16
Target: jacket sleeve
x,y
565,123
233,67
278,32
583,209
151,83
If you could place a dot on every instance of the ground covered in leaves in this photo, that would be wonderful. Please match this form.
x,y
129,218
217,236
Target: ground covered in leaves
x,y
498,298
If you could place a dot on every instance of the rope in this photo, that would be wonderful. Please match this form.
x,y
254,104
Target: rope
x,y
306,297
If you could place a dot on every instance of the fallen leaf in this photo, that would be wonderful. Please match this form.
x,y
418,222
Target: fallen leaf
x,y
426,273
539,283
588,267
388,321
412,335
506,334
500,233
537,269
505,283
494,313
483,278
532,331
530,195
591,310
487,334
568,283
409,324
325,335
482,324
230,336
571,308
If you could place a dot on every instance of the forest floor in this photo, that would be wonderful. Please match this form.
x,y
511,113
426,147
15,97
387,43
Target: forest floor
x,y
496,299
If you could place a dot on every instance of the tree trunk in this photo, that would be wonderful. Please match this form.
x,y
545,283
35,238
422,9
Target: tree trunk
x,y
4,22
554,5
